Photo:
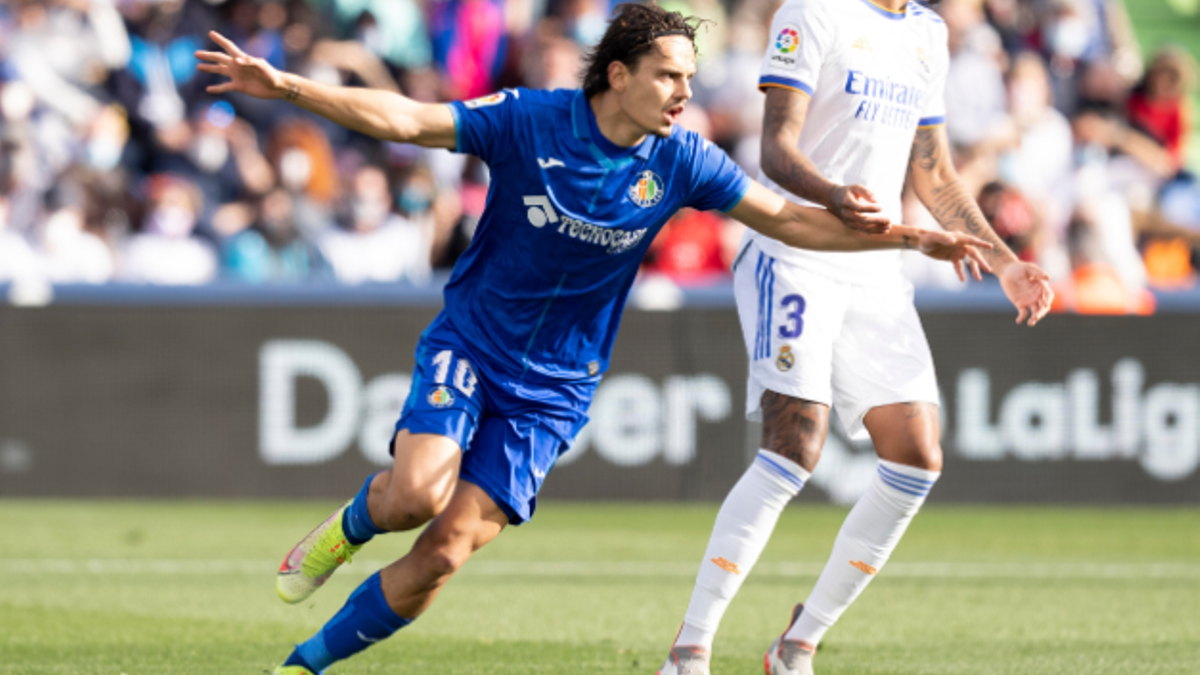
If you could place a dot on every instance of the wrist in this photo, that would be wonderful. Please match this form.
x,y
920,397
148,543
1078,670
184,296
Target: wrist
x,y
831,200
286,87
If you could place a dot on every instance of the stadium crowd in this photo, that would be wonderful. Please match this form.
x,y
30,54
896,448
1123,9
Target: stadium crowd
x,y
115,165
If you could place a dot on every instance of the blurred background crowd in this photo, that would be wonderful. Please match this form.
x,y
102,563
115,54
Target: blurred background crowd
x,y
115,165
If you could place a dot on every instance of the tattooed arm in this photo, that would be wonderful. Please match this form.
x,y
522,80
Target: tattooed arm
x,y
939,188
782,161
381,114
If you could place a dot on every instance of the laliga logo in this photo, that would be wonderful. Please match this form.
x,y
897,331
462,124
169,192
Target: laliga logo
x,y
1159,427
787,40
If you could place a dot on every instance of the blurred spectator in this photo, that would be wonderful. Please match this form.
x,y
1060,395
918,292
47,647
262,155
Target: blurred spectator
x,y
64,48
976,103
109,142
165,251
469,44
377,245
1158,105
1095,286
273,251
18,262
694,248
70,253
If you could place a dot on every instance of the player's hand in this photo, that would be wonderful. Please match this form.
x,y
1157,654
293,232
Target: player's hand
x,y
857,208
1028,288
956,248
247,74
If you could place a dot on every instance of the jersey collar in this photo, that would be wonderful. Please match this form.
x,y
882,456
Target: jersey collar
x,y
887,13
579,124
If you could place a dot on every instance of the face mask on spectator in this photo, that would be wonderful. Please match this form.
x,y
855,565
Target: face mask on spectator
x,y
415,200
209,152
1069,37
1028,100
369,212
295,168
104,152
171,221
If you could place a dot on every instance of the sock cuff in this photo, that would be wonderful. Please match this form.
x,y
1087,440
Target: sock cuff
x,y
909,480
782,468
377,605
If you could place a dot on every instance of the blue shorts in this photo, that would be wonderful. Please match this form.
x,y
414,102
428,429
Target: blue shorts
x,y
511,431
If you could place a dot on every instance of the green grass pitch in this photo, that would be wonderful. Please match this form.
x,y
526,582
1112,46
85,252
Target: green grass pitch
x,y
183,588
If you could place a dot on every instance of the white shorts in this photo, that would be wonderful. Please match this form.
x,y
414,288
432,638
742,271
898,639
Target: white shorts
x,y
848,346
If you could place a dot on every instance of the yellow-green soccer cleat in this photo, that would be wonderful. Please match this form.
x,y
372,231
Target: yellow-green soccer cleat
x,y
292,670
310,564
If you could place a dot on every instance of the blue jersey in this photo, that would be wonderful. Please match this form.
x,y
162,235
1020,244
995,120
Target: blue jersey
x,y
569,216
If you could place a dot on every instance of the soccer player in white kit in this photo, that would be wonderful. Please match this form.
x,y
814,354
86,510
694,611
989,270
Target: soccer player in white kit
x,y
854,100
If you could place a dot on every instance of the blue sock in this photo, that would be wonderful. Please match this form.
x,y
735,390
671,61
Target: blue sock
x,y
364,620
356,519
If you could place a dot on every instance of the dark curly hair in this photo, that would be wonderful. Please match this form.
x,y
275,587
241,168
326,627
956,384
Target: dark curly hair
x,y
631,36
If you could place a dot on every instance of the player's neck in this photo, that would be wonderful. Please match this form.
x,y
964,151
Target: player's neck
x,y
616,126
895,6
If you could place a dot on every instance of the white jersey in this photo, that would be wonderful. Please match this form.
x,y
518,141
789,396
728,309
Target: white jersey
x,y
873,77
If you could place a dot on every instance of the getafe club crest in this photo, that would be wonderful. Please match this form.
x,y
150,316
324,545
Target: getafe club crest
x,y
647,191
440,397
786,358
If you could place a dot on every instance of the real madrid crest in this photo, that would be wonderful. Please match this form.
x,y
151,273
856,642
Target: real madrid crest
x,y
440,397
647,191
786,358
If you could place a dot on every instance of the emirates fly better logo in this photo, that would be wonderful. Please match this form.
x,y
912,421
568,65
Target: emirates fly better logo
x,y
647,191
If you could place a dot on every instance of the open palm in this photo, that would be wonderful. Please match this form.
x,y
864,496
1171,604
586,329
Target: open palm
x,y
1028,288
247,74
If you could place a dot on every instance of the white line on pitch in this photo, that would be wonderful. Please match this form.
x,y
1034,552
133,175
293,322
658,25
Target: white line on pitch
x,y
593,568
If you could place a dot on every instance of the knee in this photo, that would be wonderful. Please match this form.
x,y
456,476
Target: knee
x,y
409,509
925,456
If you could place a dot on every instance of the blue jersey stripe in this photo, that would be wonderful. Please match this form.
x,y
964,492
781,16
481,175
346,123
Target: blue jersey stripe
x,y
785,83
931,121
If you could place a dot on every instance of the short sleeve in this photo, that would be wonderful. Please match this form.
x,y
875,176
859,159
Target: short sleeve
x,y
484,126
799,41
933,112
718,184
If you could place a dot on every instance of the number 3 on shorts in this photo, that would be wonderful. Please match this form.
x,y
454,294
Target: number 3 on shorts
x,y
464,374
795,317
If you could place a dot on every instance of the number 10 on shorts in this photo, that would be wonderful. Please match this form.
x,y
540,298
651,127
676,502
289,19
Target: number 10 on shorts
x,y
464,374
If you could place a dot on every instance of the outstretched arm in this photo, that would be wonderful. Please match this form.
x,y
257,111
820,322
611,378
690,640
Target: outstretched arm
x,y
782,162
939,188
384,115
818,230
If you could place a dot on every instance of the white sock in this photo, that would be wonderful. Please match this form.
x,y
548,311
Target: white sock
x,y
863,545
744,524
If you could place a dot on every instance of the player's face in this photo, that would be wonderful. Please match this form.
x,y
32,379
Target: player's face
x,y
660,85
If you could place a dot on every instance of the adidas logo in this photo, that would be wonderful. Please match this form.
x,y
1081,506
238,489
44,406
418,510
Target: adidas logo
x,y
724,564
864,567
863,44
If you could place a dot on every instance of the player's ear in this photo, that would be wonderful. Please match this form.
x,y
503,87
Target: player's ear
x,y
618,76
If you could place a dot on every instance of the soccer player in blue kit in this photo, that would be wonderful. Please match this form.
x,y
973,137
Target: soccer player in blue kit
x,y
581,183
